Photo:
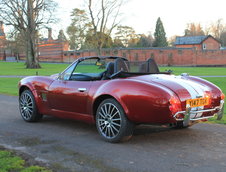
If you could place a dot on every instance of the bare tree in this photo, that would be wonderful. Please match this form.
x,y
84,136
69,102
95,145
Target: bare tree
x,y
26,17
104,18
126,34
194,29
217,28
172,40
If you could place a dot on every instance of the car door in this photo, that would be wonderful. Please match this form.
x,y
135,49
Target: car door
x,y
69,95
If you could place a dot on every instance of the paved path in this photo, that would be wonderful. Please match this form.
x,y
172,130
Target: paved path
x,y
12,76
16,76
70,146
216,76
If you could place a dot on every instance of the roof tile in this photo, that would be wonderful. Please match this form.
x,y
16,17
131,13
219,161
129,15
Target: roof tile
x,y
188,40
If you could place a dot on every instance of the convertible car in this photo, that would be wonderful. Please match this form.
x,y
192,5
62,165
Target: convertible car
x,y
116,95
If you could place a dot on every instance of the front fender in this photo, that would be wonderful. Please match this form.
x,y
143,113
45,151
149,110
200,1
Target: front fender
x,y
37,85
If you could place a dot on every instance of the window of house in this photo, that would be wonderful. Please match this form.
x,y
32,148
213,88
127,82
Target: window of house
x,y
203,46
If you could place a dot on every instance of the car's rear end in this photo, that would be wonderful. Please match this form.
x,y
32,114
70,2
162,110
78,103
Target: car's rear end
x,y
195,99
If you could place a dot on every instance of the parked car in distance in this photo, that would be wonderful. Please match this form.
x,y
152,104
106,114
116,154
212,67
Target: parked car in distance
x,y
116,95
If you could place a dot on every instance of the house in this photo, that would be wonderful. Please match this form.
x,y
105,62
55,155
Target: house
x,y
50,49
2,41
2,36
198,42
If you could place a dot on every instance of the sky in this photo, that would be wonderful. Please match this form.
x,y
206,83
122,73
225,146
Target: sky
x,y
142,14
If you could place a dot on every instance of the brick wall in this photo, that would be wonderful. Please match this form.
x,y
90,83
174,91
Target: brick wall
x,y
163,56
2,54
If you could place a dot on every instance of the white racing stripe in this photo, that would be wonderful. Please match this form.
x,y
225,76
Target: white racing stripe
x,y
193,88
200,90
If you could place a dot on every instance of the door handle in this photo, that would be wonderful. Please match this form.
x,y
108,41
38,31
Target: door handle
x,y
81,89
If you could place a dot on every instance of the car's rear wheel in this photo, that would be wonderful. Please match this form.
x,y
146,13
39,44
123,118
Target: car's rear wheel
x,y
180,125
28,108
112,123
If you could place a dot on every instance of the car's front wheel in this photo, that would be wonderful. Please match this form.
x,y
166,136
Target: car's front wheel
x,y
28,108
112,123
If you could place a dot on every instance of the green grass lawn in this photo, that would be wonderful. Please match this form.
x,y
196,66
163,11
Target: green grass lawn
x,y
9,86
220,82
10,162
197,71
14,68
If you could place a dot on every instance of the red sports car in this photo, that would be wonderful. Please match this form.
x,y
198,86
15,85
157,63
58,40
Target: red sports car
x,y
117,94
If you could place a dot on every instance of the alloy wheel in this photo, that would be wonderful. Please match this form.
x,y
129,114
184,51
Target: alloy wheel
x,y
26,106
109,120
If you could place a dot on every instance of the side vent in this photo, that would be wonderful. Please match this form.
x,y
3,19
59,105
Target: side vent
x,y
44,97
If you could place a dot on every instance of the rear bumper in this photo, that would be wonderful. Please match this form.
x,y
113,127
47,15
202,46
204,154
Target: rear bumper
x,y
187,114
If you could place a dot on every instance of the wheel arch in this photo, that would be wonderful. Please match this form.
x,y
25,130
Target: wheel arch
x,y
28,87
101,98
22,88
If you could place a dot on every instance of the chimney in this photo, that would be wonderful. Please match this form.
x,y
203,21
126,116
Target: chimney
x,y
50,34
2,33
1,26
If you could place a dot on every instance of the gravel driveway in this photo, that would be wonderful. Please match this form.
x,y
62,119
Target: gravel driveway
x,y
69,146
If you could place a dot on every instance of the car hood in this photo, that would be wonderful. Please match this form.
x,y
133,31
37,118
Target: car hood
x,y
183,87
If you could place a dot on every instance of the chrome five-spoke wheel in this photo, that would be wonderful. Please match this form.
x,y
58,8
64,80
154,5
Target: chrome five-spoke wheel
x,y
27,107
111,121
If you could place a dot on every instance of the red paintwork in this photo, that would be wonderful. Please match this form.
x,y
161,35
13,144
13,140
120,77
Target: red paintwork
x,y
145,98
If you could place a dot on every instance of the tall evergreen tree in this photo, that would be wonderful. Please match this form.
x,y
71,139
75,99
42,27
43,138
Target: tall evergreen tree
x,y
160,35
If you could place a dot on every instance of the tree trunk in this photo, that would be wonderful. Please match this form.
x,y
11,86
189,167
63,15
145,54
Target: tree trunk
x,y
31,52
99,51
99,45
32,56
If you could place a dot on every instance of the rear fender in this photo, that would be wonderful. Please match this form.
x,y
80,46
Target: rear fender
x,y
138,98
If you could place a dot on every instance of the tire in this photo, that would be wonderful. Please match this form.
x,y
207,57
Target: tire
x,y
180,125
28,108
112,123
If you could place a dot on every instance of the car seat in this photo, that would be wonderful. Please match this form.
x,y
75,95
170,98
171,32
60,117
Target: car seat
x,y
109,70
149,66
120,65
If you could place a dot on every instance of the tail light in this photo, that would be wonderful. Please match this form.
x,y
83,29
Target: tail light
x,y
222,96
208,95
175,104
